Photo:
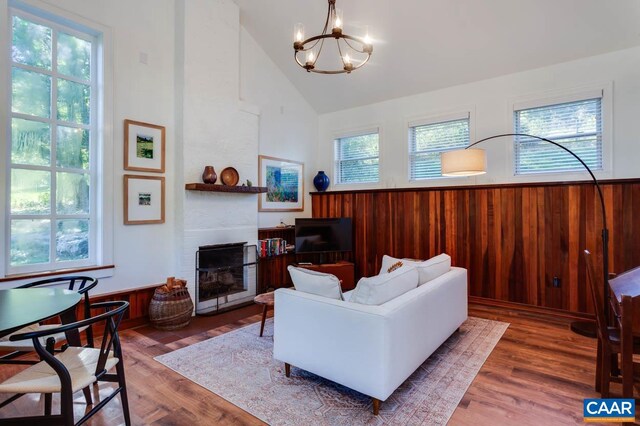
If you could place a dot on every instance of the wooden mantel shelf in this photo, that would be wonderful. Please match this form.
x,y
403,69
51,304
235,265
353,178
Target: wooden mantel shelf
x,y
225,188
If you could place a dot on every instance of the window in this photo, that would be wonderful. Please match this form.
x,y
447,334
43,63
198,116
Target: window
x,y
576,125
52,162
428,141
357,158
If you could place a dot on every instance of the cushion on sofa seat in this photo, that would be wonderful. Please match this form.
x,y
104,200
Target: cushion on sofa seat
x,y
384,287
314,282
427,269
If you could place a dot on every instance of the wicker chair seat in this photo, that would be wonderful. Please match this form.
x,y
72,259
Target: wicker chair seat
x,y
41,378
27,345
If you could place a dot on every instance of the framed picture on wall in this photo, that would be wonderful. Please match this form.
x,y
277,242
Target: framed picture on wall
x,y
143,199
284,180
144,146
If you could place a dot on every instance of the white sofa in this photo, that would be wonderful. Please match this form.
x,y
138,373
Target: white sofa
x,y
371,349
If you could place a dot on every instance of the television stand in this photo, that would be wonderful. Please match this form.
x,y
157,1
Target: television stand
x,y
345,271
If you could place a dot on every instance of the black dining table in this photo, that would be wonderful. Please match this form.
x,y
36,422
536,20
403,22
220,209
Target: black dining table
x,y
20,307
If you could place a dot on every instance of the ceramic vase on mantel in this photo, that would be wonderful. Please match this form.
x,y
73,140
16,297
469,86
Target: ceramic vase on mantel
x,y
321,181
209,175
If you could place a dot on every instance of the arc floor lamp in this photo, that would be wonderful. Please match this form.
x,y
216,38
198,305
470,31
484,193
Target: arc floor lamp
x,y
472,161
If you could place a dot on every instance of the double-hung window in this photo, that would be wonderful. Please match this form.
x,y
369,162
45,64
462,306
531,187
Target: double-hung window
x,y
576,125
428,140
357,158
52,163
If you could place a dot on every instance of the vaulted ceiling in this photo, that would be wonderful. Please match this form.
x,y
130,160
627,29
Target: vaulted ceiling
x,y
423,45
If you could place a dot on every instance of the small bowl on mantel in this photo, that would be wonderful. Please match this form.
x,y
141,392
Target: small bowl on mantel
x,y
229,176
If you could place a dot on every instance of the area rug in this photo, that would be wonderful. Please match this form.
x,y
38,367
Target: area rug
x,y
239,366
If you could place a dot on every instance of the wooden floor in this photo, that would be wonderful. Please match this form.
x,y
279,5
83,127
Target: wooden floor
x,y
539,373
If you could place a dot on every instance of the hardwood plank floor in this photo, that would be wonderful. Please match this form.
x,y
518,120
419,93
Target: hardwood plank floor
x,y
539,373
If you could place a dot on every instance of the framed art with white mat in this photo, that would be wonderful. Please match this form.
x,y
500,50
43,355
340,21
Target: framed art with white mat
x,y
144,146
143,199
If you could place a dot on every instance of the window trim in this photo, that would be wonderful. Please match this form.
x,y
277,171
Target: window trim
x,y
102,107
368,130
436,119
603,90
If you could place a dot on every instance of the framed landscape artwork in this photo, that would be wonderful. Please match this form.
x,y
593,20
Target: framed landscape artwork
x,y
284,180
143,199
143,146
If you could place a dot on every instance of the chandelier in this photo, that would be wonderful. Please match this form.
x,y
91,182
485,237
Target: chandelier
x,y
311,48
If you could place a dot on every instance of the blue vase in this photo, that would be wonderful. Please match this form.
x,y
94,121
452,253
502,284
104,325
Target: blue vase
x,y
321,181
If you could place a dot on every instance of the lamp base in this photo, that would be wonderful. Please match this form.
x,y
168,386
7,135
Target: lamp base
x,y
584,328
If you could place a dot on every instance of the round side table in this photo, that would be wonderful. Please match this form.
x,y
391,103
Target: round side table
x,y
266,299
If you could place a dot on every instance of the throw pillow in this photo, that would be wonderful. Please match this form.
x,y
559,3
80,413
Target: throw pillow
x,y
395,266
434,267
428,269
314,282
384,287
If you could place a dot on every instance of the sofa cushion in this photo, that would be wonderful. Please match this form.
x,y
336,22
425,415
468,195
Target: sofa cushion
x,y
384,287
428,269
314,282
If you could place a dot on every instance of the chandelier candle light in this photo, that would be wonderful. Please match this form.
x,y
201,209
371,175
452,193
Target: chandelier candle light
x,y
311,48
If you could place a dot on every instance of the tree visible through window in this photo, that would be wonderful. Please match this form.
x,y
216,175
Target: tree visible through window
x,y
357,158
575,125
428,141
51,213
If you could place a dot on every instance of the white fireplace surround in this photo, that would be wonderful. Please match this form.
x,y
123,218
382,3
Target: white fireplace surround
x,y
218,130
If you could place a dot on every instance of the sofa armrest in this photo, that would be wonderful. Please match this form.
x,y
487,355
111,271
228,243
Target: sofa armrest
x,y
344,342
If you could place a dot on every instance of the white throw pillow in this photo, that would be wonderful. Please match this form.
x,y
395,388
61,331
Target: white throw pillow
x,y
432,268
384,287
314,282
428,269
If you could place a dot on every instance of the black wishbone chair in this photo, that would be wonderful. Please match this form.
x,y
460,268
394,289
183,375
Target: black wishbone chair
x,y
82,285
71,370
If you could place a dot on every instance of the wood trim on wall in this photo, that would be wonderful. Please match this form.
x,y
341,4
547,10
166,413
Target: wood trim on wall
x,y
138,312
514,239
38,275
520,307
485,186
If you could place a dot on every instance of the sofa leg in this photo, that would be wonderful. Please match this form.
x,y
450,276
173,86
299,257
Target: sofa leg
x,y
376,406
287,369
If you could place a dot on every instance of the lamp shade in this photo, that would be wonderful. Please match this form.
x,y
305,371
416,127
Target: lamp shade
x,y
464,162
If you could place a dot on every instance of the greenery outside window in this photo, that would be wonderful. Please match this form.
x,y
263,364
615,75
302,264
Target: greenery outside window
x,y
576,125
357,158
52,163
427,141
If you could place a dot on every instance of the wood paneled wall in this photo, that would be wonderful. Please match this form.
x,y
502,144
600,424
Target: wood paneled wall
x,y
513,239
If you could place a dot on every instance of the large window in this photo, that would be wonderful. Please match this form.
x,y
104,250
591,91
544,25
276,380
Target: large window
x,y
357,158
52,171
576,125
428,140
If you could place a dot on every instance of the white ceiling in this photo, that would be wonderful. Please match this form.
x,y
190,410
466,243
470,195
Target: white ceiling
x,y
422,45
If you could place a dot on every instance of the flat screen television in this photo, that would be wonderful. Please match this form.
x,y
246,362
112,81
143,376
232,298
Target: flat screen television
x,y
323,235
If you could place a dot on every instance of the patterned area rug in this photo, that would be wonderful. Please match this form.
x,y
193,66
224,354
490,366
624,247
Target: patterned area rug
x,y
239,366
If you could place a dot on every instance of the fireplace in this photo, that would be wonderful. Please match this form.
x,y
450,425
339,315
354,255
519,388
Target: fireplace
x,y
225,276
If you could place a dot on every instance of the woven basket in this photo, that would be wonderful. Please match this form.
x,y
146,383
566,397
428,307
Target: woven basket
x,y
172,310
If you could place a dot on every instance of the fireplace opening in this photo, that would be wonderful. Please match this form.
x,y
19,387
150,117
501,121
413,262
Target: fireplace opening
x,y
225,276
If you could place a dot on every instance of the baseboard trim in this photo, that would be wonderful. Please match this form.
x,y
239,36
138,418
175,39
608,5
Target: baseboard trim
x,y
558,313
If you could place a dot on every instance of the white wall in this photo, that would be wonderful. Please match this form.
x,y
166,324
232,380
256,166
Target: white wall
x,y
490,102
208,121
216,129
288,124
143,254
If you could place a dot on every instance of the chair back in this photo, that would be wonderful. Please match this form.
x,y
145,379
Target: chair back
x,y
597,296
114,311
81,284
